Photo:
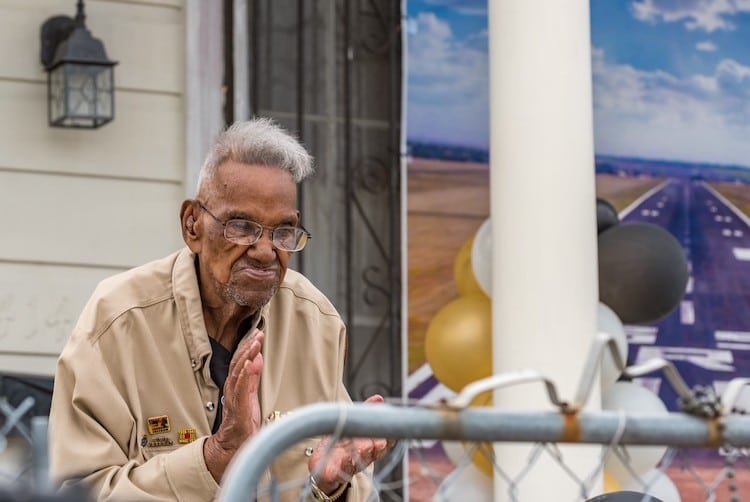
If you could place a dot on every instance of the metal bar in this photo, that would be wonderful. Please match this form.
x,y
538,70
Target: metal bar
x,y
40,456
348,180
240,60
394,120
301,61
472,424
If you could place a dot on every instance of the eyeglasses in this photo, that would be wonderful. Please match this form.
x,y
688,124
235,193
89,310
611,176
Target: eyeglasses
x,y
247,233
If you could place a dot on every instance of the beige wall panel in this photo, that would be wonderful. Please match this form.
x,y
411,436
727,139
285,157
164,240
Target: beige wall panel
x,y
145,140
39,305
166,3
73,220
27,364
145,38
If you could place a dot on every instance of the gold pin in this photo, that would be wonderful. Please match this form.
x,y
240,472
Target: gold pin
x,y
185,436
158,425
273,416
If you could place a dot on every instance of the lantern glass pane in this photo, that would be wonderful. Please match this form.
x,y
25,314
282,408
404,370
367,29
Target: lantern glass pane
x,y
104,92
81,95
56,94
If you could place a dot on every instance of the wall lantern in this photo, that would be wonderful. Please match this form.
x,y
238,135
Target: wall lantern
x,y
80,78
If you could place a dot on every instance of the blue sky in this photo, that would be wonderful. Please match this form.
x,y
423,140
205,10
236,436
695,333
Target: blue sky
x,y
447,72
671,78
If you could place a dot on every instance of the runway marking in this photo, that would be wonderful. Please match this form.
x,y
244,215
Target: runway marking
x,y
733,346
687,312
732,340
732,336
637,202
741,254
726,202
641,335
710,359
420,375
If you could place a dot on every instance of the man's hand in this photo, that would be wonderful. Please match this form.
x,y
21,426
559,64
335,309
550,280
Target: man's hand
x,y
335,465
241,410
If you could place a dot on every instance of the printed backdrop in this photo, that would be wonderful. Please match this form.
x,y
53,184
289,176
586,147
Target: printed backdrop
x,y
671,84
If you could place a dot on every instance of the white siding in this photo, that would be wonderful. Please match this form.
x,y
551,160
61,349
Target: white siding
x,y
79,205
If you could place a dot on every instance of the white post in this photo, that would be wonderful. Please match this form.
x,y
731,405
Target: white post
x,y
544,285
204,70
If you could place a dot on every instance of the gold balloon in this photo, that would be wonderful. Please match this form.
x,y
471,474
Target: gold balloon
x,y
463,273
483,456
458,342
610,483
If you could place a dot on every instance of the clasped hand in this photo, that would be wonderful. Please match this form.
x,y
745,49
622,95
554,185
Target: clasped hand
x,y
336,464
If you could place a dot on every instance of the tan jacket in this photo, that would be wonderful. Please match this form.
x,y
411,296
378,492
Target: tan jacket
x,y
140,351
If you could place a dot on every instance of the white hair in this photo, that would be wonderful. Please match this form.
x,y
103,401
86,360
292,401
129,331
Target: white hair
x,y
259,141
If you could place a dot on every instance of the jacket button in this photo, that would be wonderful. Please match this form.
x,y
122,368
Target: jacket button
x,y
193,363
210,406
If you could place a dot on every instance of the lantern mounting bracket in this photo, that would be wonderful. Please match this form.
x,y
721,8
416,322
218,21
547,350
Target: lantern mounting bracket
x,y
54,31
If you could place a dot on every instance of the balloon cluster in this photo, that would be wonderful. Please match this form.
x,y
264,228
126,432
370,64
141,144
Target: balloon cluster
x,y
458,342
643,273
458,348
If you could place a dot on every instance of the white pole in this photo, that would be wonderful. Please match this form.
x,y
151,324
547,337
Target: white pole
x,y
544,284
204,68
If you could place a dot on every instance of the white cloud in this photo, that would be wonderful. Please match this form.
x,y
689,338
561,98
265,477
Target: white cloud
x,y
706,46
706,15
465,7
448,85
702,118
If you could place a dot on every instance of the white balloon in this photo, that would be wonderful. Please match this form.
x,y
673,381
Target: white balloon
x,y
467,484
608,322
455,452
481,257
657,484
633,398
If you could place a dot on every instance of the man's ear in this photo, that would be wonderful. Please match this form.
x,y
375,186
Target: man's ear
x,y
190,226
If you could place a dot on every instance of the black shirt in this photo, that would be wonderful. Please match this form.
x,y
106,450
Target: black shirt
x,y
219,367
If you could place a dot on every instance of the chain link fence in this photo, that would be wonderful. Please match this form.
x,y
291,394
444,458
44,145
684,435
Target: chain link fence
x,y
698,453
446,449
680,471
24,459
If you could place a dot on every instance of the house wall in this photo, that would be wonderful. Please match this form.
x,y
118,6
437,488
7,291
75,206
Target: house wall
x,y
79,205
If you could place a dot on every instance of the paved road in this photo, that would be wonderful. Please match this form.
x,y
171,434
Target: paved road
x,y
708,336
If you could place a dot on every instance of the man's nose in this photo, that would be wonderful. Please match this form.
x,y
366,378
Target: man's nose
x,y
264,244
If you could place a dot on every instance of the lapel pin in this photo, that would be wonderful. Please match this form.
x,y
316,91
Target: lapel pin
x,y
159,442
158,425
185,436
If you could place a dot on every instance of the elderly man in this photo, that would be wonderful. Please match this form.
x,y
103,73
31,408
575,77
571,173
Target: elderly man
x,y
173,365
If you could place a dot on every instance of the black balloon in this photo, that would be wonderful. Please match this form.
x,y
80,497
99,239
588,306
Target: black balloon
x,y
606,215
643,272
624,496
